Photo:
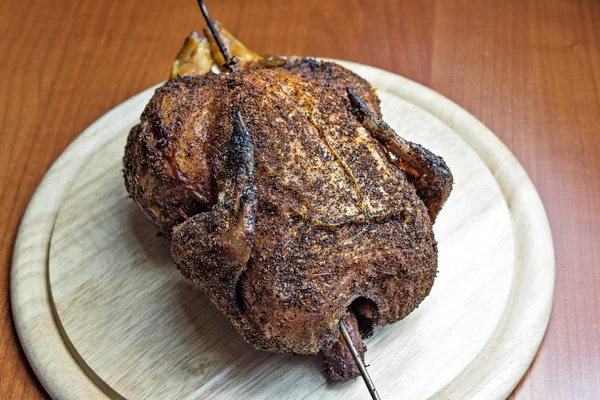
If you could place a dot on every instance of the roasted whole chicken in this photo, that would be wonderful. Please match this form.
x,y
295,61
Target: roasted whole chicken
x,y
287,199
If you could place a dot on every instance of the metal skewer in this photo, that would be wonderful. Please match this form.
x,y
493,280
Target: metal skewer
x,y
228,64
211,26
359,363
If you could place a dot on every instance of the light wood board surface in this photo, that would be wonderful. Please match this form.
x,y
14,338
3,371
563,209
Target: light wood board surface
x,y
101,310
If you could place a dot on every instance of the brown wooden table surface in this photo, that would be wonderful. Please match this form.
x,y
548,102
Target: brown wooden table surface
x,y
529,69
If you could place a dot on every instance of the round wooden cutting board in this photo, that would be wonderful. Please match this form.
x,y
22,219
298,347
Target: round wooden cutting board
x,y
102,312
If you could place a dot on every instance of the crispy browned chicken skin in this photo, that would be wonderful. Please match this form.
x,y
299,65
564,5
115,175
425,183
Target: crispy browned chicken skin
x,y
290,203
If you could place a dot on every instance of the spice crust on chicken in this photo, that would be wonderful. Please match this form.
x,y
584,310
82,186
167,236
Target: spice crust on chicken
x,y
288,200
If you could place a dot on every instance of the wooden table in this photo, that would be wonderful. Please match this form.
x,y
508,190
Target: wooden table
x,y
530,70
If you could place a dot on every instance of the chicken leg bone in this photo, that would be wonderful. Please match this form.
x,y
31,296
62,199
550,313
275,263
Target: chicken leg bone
x,y
213,248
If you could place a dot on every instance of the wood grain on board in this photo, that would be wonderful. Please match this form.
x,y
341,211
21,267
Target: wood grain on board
x,y
530,70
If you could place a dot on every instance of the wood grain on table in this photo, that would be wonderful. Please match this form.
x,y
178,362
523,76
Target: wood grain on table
x,y
530,70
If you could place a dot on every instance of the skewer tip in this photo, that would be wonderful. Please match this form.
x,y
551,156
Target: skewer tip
x,y
229,61
359,362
